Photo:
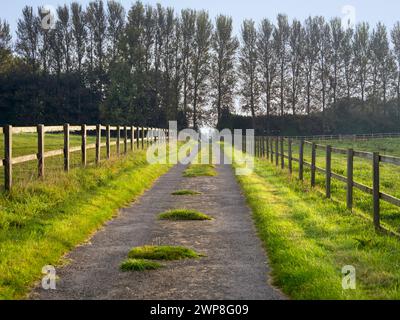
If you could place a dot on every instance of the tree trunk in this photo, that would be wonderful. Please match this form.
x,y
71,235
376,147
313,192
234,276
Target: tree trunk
x,y
294,96
335,82
282,85
398,97
308,97
185,96
195,107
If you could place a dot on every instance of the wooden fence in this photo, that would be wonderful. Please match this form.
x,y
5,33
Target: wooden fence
x,y
346,136
143,136
272,148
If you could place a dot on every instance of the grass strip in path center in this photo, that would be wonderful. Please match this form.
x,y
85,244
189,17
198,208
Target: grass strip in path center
x,y
186,193
200,170
140,265
163,253
183,214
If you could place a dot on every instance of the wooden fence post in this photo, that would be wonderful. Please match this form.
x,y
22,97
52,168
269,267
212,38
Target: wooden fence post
x,y
8,158
272,149
313,160
118,140
83,145
257,146
349,197
142,138
328,174
276,152
40,155
125,139
301,160
282,154
132,137
66,147
263,147
108,141
266,156
98,143
138,138
290,155
376,191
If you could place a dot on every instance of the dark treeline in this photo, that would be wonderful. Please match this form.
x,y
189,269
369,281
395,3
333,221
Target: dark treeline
x,y
347,117
150,64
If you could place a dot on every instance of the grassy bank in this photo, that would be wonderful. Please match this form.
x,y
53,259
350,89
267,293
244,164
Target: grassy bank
x,y
43,220
309,239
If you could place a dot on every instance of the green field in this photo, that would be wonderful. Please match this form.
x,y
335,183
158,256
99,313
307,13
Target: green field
x,y
388,146
26,144
389,175
309,239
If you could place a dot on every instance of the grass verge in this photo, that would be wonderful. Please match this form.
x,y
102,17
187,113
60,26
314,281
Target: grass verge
x,y
200,170
163,253
309,239
140,265
44,220
183,214
186,193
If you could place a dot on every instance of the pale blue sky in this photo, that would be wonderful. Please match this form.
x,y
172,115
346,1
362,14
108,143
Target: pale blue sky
x,y
373,11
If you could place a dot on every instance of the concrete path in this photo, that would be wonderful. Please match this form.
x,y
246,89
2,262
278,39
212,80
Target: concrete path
x,y
235,266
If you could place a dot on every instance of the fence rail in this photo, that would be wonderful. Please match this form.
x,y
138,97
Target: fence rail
x,y
134,135
346,136
272,148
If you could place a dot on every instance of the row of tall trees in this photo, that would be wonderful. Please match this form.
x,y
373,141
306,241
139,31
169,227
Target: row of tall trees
x,y
101,63
300,68
151,64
